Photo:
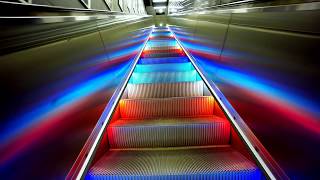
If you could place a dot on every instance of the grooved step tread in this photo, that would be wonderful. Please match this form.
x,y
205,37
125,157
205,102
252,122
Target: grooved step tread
x,y
162,51
198,163
162,60
165,90
164,77
168,132
162,55
161,47
168,121
165,67
154,43
167,107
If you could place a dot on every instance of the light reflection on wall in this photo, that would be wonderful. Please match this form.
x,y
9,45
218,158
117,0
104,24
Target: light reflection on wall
x,y
283,114
71,103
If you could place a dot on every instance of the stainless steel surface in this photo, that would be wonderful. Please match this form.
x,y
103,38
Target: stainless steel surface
x,y
84,5
48,6
59,19
28,25
34,31
295,18
245,6
279,8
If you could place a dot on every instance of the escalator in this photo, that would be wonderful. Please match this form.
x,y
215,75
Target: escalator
x,y
168,126
166,118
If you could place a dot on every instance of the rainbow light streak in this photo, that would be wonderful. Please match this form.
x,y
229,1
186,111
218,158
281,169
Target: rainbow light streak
x,y
26,128
128,43
132,38
124,52
247,80
36,125
103,61
201,47
66,98
300,109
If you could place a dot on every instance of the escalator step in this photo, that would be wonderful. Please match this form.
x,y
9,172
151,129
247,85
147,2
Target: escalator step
x,y
164,77
162,33
149,52
164,90
162,37
167,107
157,55
161,43
167,67
163,60
200,163
168,132
153,48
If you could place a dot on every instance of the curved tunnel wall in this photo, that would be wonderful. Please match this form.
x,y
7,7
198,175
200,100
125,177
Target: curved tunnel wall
x,y
267,65
52,95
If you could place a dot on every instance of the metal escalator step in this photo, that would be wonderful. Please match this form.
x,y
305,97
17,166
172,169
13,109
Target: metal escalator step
x,y
175,50
161,29
167,107
165,54
164,77
165,90
163,33
166,67
162,37
168,132
161,43
163,60
155,48
200,163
